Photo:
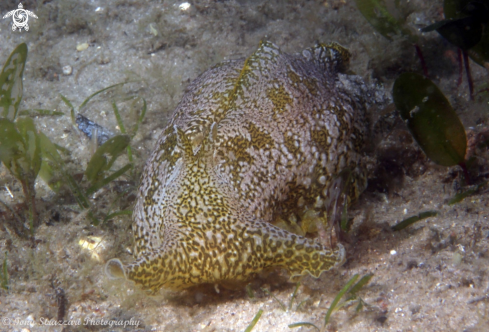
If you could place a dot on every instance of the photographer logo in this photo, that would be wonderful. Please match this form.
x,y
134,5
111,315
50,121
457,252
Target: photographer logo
x,y
20,17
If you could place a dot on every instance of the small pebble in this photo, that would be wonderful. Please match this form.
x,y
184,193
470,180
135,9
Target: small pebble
x,y
393,252
81,47
67,70
184,6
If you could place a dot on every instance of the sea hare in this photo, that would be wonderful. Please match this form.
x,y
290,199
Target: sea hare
x,y
253,141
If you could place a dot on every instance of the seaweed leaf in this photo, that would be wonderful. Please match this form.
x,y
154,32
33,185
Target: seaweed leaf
x,y
20,148
294,295
461,196
118,118
20,152
96,186
338,297
141,117
66,101
455,9
282,305
466,26
122,128
411,220
430,118
464,33
96,93
117,213
4,274
300,324
379,17
51,163
11,82
301,303
359,285
352,290
12,147
254,321
32,152
98,164
40,112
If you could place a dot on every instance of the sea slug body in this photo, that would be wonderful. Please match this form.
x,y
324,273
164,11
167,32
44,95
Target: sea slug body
x,y
253,142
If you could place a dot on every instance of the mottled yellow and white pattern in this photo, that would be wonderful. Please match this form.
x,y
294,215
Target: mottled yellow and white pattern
x,y
253,141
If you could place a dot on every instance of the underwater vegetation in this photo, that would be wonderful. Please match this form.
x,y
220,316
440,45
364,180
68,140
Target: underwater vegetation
x,y
20,146
465,26
430,118
350,289
4,274
28,153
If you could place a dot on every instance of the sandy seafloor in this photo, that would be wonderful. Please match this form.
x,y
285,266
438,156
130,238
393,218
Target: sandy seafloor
x,y
433,276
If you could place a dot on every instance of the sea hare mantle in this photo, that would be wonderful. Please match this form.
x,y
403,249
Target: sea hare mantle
x,y
253,141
